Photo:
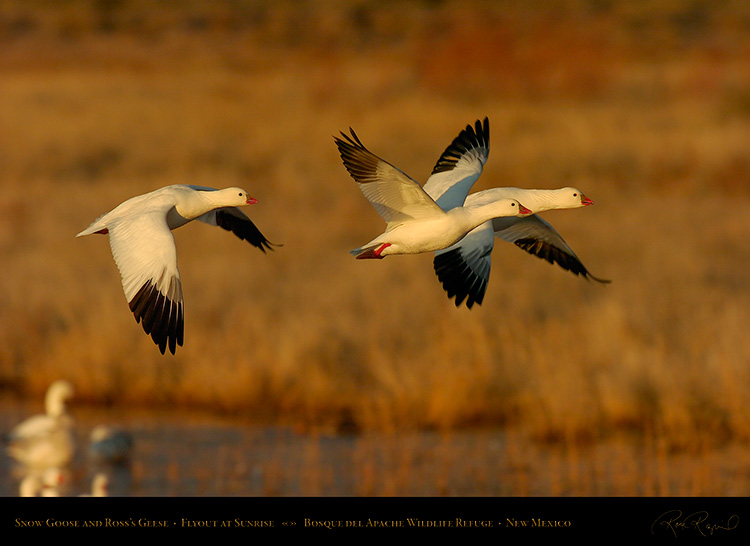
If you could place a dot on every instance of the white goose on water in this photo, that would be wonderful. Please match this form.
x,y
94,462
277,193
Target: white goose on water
x,y
30,486
464,268
99,486
144,250
415,223
52,482
47,440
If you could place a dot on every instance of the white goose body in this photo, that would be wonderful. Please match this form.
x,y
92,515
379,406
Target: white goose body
x,y
50,482
99,486
144,250
415,223
428,235
47,440
464,267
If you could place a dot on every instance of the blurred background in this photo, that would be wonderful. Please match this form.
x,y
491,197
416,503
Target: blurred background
x,y
306,372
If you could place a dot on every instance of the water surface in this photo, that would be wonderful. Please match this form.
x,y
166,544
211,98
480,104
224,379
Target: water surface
x,y
192,454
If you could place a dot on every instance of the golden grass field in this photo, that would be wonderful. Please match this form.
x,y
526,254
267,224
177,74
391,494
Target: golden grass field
x,y
643,106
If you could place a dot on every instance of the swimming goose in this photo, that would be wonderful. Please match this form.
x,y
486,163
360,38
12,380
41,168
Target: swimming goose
x,y
415,223
99,486
144,250
47,440
52,482
30,486
464,268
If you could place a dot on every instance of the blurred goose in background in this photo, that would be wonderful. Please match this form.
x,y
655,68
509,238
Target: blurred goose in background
x,y
415,223
464,267
56,482
109,445
31,486
48,440
144,250
52,482
99,486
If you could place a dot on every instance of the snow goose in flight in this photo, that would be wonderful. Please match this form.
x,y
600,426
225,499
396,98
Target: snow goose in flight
x,y
464,268
47,440
144,250
415,223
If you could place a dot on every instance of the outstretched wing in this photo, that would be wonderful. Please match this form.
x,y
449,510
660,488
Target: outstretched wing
x,y
145,254
464,268
234,220
460,166
537,237
396,196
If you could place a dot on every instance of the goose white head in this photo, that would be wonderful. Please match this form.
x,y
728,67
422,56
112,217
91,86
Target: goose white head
x,y
573,198
502,207
57,395
242,197
476,214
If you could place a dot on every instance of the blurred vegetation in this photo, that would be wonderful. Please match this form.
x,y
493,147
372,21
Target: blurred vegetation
x,y
645,106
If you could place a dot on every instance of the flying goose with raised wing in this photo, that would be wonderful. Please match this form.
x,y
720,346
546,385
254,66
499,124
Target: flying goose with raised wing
x,y
415,222
143,247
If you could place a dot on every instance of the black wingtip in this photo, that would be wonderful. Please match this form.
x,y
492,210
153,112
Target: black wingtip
x,y
553,255
470,138
352,140
458,279
244,229
264,245
160,317
590,277
358,160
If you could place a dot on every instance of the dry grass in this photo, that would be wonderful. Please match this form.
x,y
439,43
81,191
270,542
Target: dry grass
x,y
646,109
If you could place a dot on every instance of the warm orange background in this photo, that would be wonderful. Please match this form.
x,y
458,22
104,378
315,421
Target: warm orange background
x,y
644,106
